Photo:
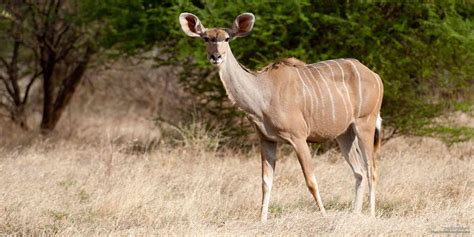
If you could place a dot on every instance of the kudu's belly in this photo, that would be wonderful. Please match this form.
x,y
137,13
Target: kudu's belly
x,y
318,127
325,130
330,120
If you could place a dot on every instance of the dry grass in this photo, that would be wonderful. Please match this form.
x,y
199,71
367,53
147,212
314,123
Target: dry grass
x,y
108,170
106,175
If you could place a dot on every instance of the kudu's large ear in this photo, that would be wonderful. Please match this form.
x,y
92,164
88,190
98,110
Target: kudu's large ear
x,y
243,24
191,24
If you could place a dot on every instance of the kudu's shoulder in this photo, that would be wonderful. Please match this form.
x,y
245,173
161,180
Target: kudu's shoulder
x,y
281,69
281,65
292,68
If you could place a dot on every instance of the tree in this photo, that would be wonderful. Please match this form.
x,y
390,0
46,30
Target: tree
x,y
15,67
423,51
49,37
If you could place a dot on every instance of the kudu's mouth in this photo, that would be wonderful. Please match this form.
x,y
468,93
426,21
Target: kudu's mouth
x,y
215,58
216,61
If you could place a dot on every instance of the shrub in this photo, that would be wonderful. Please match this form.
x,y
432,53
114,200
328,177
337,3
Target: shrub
x,y
423,51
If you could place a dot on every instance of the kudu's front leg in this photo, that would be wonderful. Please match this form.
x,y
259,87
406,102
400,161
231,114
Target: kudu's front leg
x,y
304,157
268,153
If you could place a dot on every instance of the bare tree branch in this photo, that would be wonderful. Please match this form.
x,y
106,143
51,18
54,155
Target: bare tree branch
x,y
4,94
71,81
33,78
7,86
59,3
14,73
5,106
5,115
28,87
45,28
4,62
48,7
64,52
50,46
393,134
53,6
17,16
61,34
34,18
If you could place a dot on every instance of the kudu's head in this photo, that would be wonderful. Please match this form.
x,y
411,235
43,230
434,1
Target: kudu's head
x,y
217,39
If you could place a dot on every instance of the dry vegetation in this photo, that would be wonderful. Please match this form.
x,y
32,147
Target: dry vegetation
x,y
108,171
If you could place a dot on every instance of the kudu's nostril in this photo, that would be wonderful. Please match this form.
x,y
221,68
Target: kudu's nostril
x,y
215,57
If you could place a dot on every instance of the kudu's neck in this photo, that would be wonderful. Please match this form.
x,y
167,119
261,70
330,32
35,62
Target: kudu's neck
x,y
244,89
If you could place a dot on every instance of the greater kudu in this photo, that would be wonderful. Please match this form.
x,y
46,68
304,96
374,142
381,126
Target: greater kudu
x,y
293,102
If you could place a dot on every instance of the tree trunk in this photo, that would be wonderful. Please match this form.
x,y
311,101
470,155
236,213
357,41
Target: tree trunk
x,y
18,116
48,63
52,111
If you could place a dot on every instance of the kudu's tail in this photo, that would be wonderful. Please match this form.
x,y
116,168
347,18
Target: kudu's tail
x,y
377,136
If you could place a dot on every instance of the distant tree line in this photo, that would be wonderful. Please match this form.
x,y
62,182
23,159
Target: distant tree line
x,y
423,51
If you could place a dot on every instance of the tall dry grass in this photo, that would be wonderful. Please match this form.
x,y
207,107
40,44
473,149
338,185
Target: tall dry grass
x,y
108,169
103,174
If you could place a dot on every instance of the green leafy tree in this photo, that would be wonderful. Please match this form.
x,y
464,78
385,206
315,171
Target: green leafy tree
x,y
423,51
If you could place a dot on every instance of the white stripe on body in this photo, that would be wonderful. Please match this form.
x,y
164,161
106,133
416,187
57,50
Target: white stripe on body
x,y
377,78
344,84
329,92
337,89
305,88
360,87
319,90
316,102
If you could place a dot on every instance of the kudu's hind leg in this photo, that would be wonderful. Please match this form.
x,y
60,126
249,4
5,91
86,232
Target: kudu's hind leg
x,y
350,149
365,132
268,153
304,157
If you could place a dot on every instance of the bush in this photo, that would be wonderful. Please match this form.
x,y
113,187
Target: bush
x,y
423,52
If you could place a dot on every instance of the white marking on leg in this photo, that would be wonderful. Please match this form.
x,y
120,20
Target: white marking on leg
x,y
367,162
344,84
330,94
268,183
318,196
360,87
355,156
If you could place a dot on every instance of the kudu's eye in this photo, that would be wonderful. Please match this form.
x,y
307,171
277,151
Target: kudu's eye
x,y
227,39
206,39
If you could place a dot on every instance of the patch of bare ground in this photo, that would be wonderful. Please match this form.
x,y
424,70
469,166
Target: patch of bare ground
x,y
97,176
